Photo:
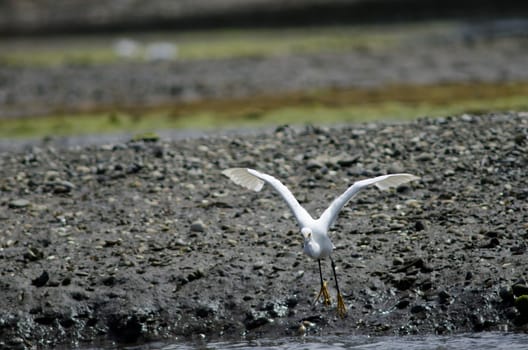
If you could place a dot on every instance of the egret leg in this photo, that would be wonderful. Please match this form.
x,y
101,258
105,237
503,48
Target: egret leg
x,y
341,308
324,290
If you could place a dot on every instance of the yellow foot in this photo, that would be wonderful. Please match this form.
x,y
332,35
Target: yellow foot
x,y
341,308
326,296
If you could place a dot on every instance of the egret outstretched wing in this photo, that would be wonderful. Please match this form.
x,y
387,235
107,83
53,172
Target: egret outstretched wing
x,y
254,180
382,182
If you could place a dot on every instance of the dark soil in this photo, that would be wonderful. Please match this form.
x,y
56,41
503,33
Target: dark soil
x,y
147,240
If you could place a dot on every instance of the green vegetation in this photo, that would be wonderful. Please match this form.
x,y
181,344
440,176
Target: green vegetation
x,y
324,107
521,303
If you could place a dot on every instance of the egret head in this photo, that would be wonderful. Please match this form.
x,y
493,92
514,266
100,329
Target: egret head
x,y
306,233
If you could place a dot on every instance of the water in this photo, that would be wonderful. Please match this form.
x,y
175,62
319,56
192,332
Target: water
x,y
476,341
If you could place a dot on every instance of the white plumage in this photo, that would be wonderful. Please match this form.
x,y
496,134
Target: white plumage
x,y
254,180
317,243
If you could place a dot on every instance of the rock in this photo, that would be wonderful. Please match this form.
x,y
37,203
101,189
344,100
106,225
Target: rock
x,y
444,297
33,254
206,310
255,319
424,157
314,164
276,309
60,186
403,303
125,328
196,274
405,282
41,280
197,226
494,242
506,295
397,261
469,276
520,289
419,225
19,203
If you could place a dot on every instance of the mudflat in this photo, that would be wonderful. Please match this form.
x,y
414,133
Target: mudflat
x,y
146,239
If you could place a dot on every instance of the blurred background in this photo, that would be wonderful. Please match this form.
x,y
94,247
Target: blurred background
x,y
76,67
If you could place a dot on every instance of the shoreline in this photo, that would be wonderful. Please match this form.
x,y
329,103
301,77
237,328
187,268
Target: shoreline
x,y
140,241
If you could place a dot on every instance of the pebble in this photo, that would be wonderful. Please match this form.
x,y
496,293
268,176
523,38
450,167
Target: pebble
x,y
444,297
255,319
41,280
398,261
418,309
197,226
19,203
520,289
403,303
424,157
206,310
506,294
60,186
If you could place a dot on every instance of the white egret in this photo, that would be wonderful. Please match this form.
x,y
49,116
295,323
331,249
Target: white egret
x,y
317,244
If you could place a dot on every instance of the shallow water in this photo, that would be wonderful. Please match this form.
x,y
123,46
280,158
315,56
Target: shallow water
x,y
491,340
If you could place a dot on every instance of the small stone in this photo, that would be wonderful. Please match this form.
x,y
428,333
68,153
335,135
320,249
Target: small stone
x,y
345,160
419,225
19,203
197,226
405,282
83,170
299,274
255,319
60,186
313,164
206,310
397,261
33,254
195,275
466,118
506,294
494,242
418,309
444,297
413,203
402,303
520,289
424,157
41,280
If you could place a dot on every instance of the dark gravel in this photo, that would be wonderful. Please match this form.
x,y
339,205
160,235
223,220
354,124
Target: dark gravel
x,y
146,240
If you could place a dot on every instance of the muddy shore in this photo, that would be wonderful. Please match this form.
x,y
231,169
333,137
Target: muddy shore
x,y
146,240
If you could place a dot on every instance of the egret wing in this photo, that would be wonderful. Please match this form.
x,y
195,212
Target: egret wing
x,y
254,180
382,182
242,177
